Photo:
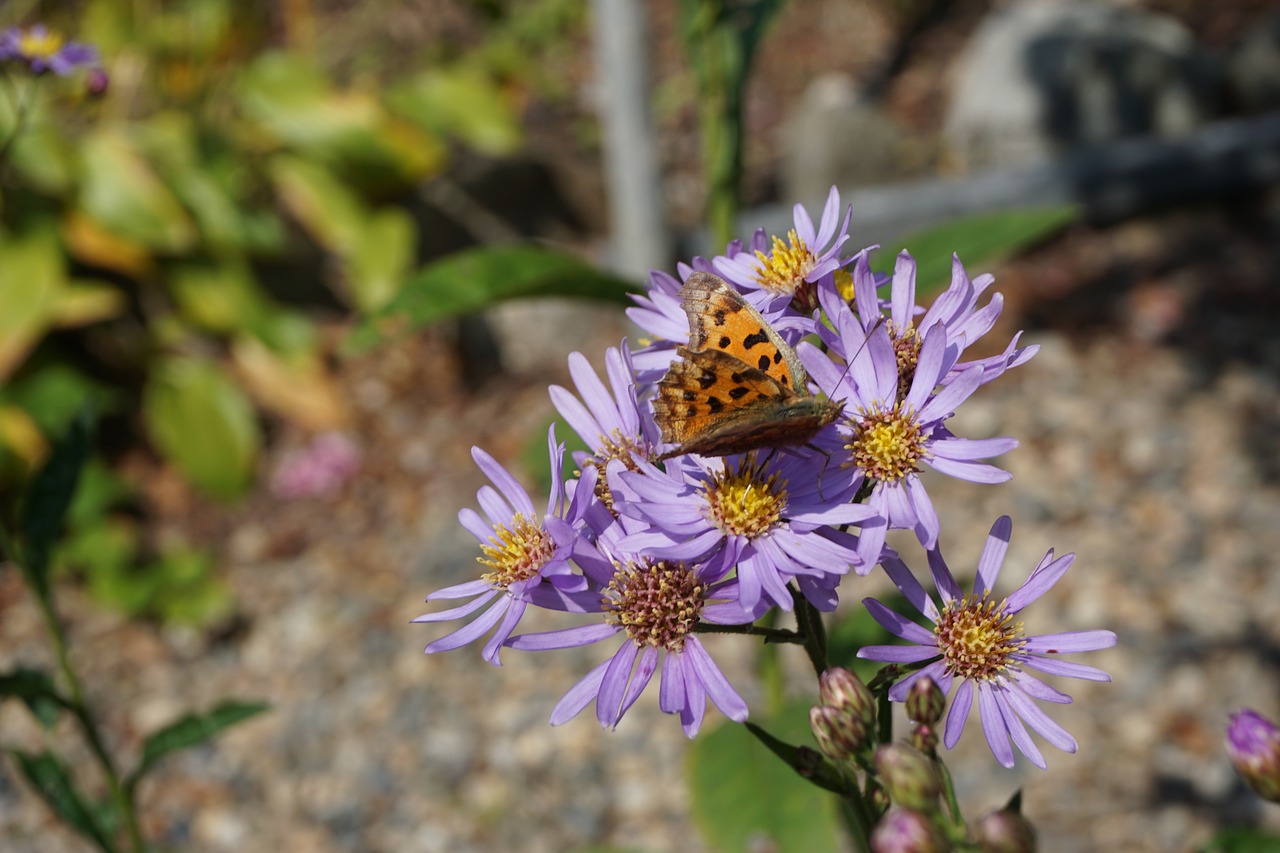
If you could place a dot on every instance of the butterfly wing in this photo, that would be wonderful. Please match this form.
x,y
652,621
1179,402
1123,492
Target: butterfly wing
x,y
721,319
712,404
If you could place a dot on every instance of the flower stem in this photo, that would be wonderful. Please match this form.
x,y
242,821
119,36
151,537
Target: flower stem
x,y
122,798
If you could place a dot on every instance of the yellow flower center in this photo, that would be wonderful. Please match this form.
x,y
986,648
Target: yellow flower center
x,y
784,268
516,553
977,636
887,444
743,502
844,285
657,604
39,45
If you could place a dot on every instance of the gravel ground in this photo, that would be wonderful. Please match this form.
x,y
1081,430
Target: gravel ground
x,y
1149,429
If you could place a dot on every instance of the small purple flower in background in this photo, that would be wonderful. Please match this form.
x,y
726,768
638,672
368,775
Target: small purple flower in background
x,y
791,269
977,641
44,50
318,469
1253,745
656,605
888,438
528,557
770,519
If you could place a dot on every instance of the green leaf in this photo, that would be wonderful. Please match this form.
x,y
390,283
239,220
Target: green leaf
x,y
744,797
462,103
121,190
203,423
36,689
32,279
979,241
381,259
1242,841
190,731
50,496
470,280
326,207
54,784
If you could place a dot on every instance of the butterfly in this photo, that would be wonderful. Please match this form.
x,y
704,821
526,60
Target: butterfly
x,y
737,386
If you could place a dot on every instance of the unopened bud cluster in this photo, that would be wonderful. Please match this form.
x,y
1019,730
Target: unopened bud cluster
x,y
1253,745
844,724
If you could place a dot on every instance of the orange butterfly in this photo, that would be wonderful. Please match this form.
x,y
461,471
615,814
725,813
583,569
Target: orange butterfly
x,y
738,386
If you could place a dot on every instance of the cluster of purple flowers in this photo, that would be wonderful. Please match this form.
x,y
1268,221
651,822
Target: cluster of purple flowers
x,y
646,551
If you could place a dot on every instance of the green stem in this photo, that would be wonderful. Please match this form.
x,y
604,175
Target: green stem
x,y
771,635
122,798
21,109
949,794
810,627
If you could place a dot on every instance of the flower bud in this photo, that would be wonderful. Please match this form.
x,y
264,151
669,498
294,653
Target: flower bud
x,y
925,739
1006,832
842,689
1253,745
925,702
909,776
96,83
840,735
904,831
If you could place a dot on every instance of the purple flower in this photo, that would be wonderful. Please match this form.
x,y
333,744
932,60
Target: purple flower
x,y
656,605
610,420
791,269
954,310
528,557
978,641
43,50
887,437
770,519
1253,745
318,469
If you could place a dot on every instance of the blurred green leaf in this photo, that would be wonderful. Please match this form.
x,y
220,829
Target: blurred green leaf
x,y
187,590
54,392
32,279
121,190
473,279
460,103
37,691
190,731
742,794
221,298
48,498
84,302
979,241
1242,840
326,207
382,258
202,422
49,776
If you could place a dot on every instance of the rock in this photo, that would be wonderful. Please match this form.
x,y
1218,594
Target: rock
x,y
834,136
1043,76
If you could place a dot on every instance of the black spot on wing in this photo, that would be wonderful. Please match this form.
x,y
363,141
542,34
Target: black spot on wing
x,y
764,362
706,379
690,396
777,356
715,404
724,342
718,317
758,338
739,392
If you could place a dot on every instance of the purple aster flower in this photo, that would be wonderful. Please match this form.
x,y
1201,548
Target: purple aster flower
x,y
528,557
43,50
655,605
887,437
770,518
610,420
793,268
978,640
1253,745
954,310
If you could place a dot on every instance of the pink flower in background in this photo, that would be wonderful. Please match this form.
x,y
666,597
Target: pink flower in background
x,y
318,469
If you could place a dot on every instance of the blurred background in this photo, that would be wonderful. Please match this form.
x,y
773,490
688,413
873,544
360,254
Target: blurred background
x,y
300,256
